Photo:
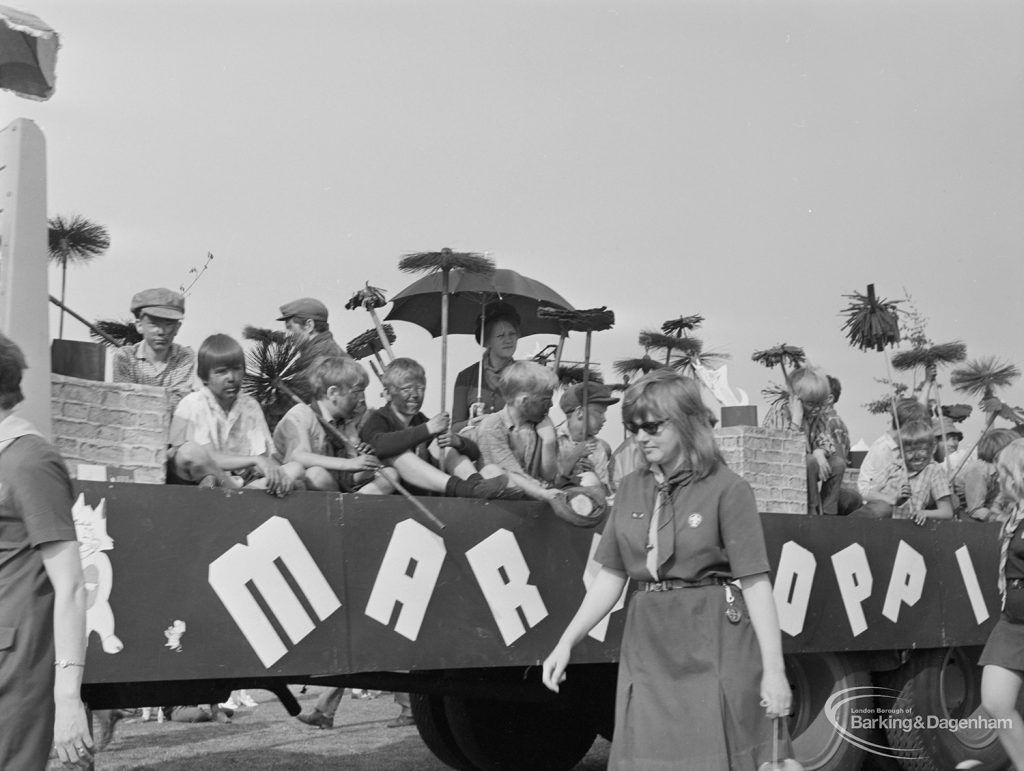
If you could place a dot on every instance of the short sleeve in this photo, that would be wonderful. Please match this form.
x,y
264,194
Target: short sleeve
x,y
291,435
740,527
43,494
938,482
121,364
608,553
260,440
186,425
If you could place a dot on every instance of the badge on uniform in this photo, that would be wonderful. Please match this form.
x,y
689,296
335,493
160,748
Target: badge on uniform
x,y
637,515
695,519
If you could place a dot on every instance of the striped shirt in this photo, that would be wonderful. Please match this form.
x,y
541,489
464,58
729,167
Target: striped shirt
x,y
134,364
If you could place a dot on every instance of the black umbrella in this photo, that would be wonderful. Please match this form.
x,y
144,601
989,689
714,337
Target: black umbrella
x,y
470,296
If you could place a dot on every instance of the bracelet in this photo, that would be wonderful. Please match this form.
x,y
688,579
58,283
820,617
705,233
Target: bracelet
x,y
64,664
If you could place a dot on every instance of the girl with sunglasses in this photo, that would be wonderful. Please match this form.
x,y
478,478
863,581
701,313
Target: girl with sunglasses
x,y
701,674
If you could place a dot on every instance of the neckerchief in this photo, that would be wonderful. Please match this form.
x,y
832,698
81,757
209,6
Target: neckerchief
x,y
661,537
1009,530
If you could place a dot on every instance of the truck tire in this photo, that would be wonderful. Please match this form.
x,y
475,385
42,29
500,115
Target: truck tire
x,y
814,678
513,736
942,683
432,723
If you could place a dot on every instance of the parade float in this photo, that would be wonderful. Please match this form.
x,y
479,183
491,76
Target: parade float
x,y
194,593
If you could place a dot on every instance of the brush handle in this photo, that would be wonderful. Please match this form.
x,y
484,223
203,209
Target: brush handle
x,y
586,381
333,430
380,332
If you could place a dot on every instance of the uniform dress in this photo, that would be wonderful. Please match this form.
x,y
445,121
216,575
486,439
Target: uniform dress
x,y
35,508
1005,646
688,693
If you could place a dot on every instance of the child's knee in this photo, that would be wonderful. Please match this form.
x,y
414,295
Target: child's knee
x,y
319,478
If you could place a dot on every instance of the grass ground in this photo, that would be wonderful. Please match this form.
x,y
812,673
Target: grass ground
x,y
266,737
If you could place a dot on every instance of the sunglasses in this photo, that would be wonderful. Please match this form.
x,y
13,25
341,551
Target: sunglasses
x,y
650,427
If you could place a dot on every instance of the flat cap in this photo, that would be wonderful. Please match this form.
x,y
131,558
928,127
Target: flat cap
x,y
307,307
159,303
597,393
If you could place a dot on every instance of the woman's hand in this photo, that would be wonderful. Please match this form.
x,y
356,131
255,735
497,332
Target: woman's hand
x,y
476,411
71,737
553,672
776,698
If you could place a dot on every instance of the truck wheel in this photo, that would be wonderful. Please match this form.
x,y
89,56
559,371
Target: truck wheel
x,y
814,678
432,723
514,736
942,684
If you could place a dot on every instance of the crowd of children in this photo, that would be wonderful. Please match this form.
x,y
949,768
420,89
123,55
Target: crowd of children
x,y
220,438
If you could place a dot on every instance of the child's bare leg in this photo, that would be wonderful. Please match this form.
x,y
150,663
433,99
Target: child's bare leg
x,y
381,484
452,462
319,478
192,462
417,472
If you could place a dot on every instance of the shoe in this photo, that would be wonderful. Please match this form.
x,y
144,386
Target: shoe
x,y
229,706
247,701
402,721
490,488
317,719
208,482
107,719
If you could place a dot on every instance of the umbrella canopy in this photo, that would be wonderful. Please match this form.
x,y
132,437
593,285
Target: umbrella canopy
x,y
420,304
28,54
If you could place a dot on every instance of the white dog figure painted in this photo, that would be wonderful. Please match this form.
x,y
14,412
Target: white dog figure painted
x,y
91,529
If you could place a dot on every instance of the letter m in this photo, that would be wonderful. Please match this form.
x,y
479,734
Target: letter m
x,y
274,554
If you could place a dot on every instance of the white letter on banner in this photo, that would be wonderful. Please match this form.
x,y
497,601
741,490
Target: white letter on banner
x,y
589,574
274,539
407,575
906,581
854,577
963,558
793,582
500,553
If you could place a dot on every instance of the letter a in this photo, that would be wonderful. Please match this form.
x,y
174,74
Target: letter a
x,y
411,543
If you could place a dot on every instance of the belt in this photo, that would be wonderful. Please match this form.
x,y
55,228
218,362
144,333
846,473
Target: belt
x,y
677,583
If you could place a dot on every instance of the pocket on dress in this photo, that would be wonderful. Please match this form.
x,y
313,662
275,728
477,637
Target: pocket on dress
x,y
7,634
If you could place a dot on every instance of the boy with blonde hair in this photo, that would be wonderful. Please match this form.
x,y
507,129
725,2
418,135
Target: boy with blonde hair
x,y
520,438
330,462
828,440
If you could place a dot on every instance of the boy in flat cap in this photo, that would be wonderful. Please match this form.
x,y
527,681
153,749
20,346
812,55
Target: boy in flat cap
x,y
157,360
582,455
305,325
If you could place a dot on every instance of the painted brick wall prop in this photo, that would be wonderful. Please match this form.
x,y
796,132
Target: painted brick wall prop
x,y
110,431
772,461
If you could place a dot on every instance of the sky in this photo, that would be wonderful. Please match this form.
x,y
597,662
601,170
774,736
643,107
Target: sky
x,y
751,162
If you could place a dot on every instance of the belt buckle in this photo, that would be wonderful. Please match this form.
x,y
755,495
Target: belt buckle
x,y
657,586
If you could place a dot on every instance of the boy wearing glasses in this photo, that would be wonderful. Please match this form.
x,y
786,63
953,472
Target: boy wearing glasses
x,y
422,450
157,360
828,440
